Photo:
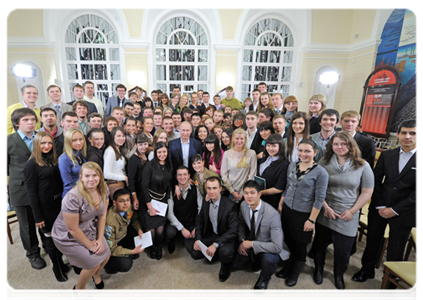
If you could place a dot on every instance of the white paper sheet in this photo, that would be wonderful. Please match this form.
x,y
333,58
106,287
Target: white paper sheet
x,y
160,206
204,250
145,241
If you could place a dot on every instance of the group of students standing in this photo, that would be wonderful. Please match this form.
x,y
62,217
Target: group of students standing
x,y
83,197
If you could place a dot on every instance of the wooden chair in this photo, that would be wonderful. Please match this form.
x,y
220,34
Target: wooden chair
x,y
11,218
401,273
411,243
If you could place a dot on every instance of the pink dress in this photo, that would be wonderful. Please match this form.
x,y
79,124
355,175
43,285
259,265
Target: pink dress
x,y
212,162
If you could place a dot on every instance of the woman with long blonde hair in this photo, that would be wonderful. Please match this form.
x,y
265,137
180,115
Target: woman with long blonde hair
x,y
316,105
74,154
44,189
75,231
239,164
184,102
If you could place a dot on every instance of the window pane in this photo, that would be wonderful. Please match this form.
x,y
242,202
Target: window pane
x,y
112,38
202,73
161,39
161,72
287,56
188,74
114,54
102,87
100,72
104,97
260,74
85,54
175,55
166,29
202,55
250,40
70,53
175,72
98,38
188,88
286,74
87,72
274,56
246,73
115,72
162,87
160,55
84,21
86,37
284,91
202,39
262,56
248,55
272,88
73,72
114,93
99,54
265,24
272,73
202,87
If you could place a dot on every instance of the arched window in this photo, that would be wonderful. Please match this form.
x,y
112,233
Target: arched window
x,y
182,56
92,53
268,53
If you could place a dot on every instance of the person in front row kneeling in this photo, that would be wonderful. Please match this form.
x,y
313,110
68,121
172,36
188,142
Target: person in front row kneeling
x,y
183,212
217,228
260,235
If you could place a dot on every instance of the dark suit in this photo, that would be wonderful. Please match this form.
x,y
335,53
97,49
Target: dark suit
x,y
397,191
91,106
17,157
255,145
227,229
111,103
367,148
175,153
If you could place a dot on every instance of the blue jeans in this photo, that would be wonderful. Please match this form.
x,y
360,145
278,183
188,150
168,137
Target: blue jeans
x,y
268,261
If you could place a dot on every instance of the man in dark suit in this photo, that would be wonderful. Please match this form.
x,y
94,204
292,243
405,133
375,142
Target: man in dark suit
x,y
55,94
349,122
19,149
254,139
217,228
260,235
120,100
393,201
181,149
255,95
79,93
69,120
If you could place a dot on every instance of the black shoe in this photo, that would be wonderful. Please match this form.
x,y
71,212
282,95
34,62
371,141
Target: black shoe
x,y
261,284
99,286
76,294
296,268
59,274
284,272
171,246
159,253
134,256
318,275
225,272
338,273
37,263
153,252
77,270
361,276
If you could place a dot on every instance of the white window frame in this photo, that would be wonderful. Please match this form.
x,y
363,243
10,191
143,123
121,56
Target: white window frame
x,y
281,65
158,83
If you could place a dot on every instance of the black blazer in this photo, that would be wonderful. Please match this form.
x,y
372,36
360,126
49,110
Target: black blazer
x,y
92,108
17,157
59,142
175,153
394,189
367,148
276,176
227,222
256,144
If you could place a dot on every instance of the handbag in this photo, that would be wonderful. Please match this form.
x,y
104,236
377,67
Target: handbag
x,y
114,185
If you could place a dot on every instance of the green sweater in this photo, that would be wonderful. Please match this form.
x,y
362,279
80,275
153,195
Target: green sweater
x,y
233,103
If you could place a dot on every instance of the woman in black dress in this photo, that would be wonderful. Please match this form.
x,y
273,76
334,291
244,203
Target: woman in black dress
x,y
273,168
44,188
135,168
265,129
157,176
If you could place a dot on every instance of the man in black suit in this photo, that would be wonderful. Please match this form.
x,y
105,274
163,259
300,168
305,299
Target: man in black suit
x,y
181,149
255,95
69,120
349,122
217,228
254,139
19,149
393,201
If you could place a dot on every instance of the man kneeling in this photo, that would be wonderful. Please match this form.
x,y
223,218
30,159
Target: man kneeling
x,y
260,235
119,235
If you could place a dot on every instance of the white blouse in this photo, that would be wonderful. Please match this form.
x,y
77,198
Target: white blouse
x,y
113,169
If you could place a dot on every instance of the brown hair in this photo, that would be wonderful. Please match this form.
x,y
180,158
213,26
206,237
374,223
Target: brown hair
x,y
353,149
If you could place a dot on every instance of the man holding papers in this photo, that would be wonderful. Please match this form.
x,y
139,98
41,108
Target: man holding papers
x,y
260,235
183,212
119,236
217,228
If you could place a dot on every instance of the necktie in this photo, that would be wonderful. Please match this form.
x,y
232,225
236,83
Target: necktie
x,y
58,111
252,226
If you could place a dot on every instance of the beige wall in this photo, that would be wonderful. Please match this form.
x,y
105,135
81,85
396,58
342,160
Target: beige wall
x,y
229,19
25,22
136,65
134,21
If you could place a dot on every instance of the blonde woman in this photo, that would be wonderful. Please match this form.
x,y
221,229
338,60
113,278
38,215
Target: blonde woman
x,y
76,234
239,164
184,102
316,105
70,162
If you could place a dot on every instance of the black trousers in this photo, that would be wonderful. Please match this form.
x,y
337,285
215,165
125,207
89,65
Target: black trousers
x,y
123,263
342,245
224,252
267,261
398,237
171,232
28,230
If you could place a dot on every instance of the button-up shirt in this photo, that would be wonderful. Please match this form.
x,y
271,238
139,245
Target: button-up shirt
x,y
28,141
320,140
213,212
250,138
185,153
256,215
404,157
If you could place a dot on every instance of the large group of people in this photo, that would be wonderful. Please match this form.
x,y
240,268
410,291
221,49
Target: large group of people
x,y
251,183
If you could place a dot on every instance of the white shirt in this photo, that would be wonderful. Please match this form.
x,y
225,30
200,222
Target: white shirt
x,y
404,157
250,138
185,153
113,169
